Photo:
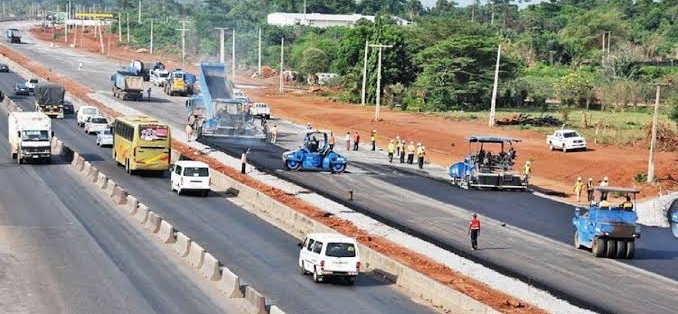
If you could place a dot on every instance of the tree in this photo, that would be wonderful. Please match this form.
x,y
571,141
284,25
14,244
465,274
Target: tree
x,y
313,61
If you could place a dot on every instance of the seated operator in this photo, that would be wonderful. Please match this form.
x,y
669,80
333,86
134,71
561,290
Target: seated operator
x,y
627,205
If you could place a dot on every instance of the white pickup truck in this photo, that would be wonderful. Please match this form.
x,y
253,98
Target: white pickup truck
x,y
566,140
260,110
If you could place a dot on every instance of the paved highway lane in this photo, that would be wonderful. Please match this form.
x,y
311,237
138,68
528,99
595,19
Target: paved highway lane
x,y
261,254
64,249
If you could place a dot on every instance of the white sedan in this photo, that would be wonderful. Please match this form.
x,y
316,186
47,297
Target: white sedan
x,y
95,124
105,138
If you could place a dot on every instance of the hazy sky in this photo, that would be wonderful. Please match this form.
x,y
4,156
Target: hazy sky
x,y
428,3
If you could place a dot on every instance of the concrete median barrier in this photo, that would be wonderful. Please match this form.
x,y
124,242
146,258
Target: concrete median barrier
x,y
230,284
110,188
79,163
92,173
196,255
119,195
153,222
59,147
102,180
275,310
166,233
256,303
142,213
85,167
183,245
132,205
210,267
75,159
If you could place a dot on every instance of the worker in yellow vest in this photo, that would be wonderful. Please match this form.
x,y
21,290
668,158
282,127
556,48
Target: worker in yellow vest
x,y
410,153
399,146
578,187
527,170
402,151
421,152
373,138
391,150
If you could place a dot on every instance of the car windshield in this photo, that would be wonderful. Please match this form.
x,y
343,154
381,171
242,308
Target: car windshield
x,y
570,134
196,172
89,111
33,81
34,135
105,132
340,250
22,85
99,120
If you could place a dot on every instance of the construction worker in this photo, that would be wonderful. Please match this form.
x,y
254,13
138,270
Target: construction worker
x,y
474,231
330,141
627,205
274,133
578,186
308,126
402,151
243,161
410,153
80,66
356,141
373,139
148,92
391,150
189,133
589,190
603,194
527,170
420,155
399,146
348,140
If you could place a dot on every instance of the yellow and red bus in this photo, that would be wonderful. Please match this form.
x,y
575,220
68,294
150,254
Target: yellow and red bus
x,y
141,143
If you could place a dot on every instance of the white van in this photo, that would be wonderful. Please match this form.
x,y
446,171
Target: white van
x,y
85,112
329,255
190,176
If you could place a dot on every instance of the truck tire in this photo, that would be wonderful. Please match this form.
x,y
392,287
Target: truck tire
x,y
621,249
598,247
630,249
577,243
551,148
611,249
564,149
13,155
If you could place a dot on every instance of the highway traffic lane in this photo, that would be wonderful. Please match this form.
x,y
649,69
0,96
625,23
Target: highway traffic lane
x,y
83,257
232,234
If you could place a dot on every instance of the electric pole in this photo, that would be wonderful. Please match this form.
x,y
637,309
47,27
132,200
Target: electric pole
x,y
101,35
493,103
150,49
110,34
653,140
128,27
259,62
362,95
282,49
376,108
183,30
233,57
139,21
221,43
119,26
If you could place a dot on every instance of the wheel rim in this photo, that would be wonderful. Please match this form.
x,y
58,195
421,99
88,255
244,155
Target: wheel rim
x,y
293,164
338,167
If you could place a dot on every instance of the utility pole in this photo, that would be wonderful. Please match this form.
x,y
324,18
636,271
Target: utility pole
x,y
65,30
304,21
609,35
221,43
493,103
602,61
128,27
139,21
110,33
101,35
233,57
362,95
119,26
282,56
150,49
653,140
259,62
376,108
183,30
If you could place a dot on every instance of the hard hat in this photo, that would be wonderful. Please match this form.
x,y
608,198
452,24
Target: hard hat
x,y
411,142
527,162
398,137
578,178
418,144
391,141
590,179
474,215
605,179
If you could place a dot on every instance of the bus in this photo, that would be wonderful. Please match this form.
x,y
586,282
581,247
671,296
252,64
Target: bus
x,y
141,143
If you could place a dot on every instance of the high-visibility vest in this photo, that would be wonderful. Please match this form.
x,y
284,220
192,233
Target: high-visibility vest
x,y
526,169
410,149
474,223
373,138
578,185
399,144
391,148
420,152
589,185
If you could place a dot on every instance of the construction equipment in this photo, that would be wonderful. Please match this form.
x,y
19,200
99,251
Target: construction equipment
x,y
176,83
30,136
158,73
127,85
13,35
137,67
609,230
483,169
49,99
315,155
673,217
190,81
214,111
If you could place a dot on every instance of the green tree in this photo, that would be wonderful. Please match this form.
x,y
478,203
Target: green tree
x,y
313,61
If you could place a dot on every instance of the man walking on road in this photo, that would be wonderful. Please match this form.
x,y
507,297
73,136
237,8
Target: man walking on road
x,y
373,138
578,187
421,152
148,91
189,133
399,146
391,150
410,153
331,141
348,140
274,133
589,190
243,161
474,230
402,151
356,141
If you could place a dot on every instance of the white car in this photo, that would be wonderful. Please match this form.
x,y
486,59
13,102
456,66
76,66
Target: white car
x,y
105,138
85,112
190,176
31,84
260,110
566,140
329,255
95,124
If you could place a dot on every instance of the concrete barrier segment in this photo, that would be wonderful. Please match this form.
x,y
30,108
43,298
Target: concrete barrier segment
x,y
153,222
102,180
142,213
110,188
132,205
256,302
85,167
166,233
119,195
79,163
230,284
93,173
210,267
183,245
74,162
59,146
196,255
275,310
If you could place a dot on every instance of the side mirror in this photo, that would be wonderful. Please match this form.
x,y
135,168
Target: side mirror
x,y
300,245
52,133
577,211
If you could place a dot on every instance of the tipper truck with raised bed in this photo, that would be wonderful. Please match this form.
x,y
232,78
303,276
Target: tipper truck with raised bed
x,y
49,99
30,136
127,85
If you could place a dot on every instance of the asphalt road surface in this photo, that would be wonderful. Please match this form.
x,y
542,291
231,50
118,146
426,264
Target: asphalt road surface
x,y
259,253
428,212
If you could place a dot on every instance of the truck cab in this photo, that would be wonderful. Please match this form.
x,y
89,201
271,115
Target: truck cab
x,y
608,226
30,136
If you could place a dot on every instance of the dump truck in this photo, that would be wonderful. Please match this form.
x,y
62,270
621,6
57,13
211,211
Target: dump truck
x,y
176,83
30,136
13,35
127,85
49,99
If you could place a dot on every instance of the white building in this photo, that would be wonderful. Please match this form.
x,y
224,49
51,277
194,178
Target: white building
x,y
321,20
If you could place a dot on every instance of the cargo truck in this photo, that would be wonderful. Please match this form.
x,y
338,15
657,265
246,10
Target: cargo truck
x,y
30,136
13,35
49,99
127,86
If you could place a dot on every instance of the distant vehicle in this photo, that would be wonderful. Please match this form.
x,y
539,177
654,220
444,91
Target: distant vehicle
x,y
68,107
325,78
85,112
31,84
176,83
608,229
105,138
30,136
260,110
49,98
566,140
141,143
673,217
190,176
127,86
489,164
95,124
4,68
315,154
21,89
158,73
329,255
13,35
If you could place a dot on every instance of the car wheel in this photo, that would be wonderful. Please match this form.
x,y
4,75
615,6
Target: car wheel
x,y
302,270
551,147
293,164
316,277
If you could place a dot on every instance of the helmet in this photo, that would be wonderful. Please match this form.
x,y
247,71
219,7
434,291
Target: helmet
x,y
391,141
474,215
590,179
527,162
422,146
578,178
605,179
411,142
397,137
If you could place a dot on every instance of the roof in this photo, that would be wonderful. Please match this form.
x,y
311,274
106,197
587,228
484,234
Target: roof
x,y
138,119
330,236
615,189
490,139
191,163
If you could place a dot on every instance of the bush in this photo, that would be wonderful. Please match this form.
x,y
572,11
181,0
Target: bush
x,y
640,177
673,114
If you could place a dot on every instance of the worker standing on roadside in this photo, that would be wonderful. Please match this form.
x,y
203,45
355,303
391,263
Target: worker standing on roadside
x,y
189,133
148,91
410,153
274,133
421,152
391,150
527,170
578,187
243,161
399,146
402,151
348,140
474,231
356,141
373,139
589,190
331,141
603,194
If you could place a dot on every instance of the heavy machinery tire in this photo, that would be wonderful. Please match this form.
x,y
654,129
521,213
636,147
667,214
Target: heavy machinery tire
x,y
630,249
338,168
611,249
621,249
598,247
577,244
293,164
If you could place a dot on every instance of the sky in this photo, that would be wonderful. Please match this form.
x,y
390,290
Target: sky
x,y
463,3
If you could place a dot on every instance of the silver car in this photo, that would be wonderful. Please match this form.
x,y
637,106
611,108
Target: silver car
x,y
105,138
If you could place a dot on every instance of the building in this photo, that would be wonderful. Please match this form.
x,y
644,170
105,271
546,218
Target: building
x,y
321,20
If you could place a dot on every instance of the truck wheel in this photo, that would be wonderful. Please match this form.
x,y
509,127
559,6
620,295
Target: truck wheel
x,y
621,249
338,168
598,247
564,149
630,249
611,250
316,277
293,164
577,243
13,155
302,270
551,148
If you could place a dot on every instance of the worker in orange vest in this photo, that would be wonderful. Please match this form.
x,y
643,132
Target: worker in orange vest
x,y
331,141
474,230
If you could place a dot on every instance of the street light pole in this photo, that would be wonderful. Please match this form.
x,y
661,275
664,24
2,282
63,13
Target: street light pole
x,y
377,107
362,95
150,49
282,56
653,140
233,57
493,103
221,43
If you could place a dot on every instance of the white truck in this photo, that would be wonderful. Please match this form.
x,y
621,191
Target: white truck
x,y
30,136
159,77
566,140
260,110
